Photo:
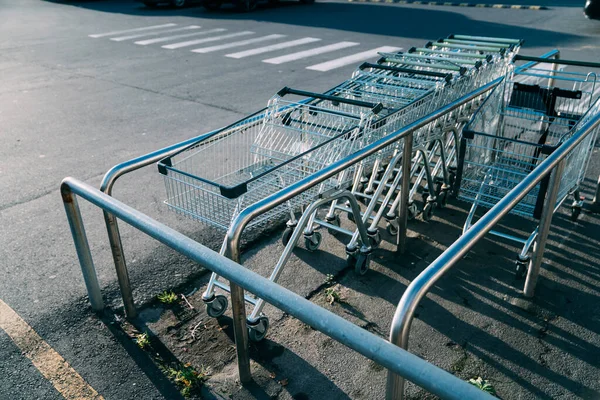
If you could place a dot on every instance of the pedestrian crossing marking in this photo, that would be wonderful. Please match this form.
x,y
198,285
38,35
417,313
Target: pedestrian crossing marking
x,y
193,35
205,40
139,35
237,44
146,28
273,47
352,59
175,37
309,53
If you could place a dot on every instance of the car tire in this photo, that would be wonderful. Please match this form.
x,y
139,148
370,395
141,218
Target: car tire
x,y
245,5
212,5
592,9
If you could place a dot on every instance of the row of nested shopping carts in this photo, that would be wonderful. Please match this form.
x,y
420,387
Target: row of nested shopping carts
x,y
301,132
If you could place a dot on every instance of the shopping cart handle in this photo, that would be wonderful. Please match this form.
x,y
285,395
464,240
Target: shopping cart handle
x,y
375,107
366,65
589,64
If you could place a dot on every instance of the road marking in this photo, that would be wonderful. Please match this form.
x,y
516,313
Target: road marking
x,y
210,39
139,35
237,44
174,37
278,46
51,365
352,59
310,53
146,28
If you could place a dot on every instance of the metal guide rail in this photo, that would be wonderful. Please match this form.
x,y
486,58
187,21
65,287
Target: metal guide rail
x,y
515,129
552,167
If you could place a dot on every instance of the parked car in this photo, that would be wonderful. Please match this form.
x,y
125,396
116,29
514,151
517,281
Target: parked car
x,y
592,9
174,3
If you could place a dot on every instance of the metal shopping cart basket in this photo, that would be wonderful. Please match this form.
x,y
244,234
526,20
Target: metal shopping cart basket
x,y
517,126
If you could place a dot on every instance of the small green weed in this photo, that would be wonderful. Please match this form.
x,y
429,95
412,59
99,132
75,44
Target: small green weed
x,y
168,298
483,385
142,340
333,295
188,379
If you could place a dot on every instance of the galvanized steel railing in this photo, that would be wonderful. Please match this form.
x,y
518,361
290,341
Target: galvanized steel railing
x,y
420,286
400,362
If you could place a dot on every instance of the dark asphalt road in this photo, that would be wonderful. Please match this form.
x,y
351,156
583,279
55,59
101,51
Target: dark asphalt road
x,y
74,105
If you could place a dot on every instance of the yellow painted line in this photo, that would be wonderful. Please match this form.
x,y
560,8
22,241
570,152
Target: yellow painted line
x,y
51,365
497,6
535,7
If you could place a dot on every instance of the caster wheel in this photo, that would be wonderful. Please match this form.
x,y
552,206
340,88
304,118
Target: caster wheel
x,y
374,240
217,307
521,269
391,229
442,199
413,210
358,262
313,241
258,330
575,212
334,221
428,211
287,235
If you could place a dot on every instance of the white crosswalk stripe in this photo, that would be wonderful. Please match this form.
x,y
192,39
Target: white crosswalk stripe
x,y
175,37
351,59
206,40
237,44
273,47
146,28
309,53
139,35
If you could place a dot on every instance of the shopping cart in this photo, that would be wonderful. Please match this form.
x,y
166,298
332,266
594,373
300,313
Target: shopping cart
x,y
216,178
518,125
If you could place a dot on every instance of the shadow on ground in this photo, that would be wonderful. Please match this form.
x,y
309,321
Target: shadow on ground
x,y
373,19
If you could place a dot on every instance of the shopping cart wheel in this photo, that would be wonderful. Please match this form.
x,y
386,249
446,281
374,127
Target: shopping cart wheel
x,y
374,238
521,268
217,307
575,212
312,242
442,198
413,210
391,229
334,221
359,262
257,330
428,211
287,235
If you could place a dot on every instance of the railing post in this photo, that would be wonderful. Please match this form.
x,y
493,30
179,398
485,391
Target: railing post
x,y
238,309
404,194
543,231
83,248
114,237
